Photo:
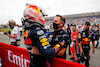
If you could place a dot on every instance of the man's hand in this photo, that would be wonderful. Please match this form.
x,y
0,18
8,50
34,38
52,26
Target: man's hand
x,y
93,47
93,50
36,50
8,34
61,52
81,50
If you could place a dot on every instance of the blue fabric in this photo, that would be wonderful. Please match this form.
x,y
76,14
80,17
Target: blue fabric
x,y
0,62
36,35
58,37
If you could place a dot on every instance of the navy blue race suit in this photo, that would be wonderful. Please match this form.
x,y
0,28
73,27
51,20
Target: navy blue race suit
x,y
39,47
59,37
84,38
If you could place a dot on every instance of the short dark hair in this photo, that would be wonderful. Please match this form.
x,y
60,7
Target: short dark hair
x,y
62,18
87,23
68,25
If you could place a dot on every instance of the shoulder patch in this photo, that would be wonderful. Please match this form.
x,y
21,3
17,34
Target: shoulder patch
x,y
26,33
57,47
40,32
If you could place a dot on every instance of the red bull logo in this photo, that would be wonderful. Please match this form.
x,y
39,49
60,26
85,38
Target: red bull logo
x,y
86,39
37,12
35,8
28,41
56,46
26,33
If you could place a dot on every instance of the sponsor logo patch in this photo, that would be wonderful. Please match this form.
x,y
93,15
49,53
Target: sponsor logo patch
x,y
56,46
43,36
26,33
45,43
40,32
43,40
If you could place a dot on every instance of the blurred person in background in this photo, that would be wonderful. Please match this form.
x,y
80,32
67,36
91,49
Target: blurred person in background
x,y
15,34
93,34
97,36
20,28
80,28
68,30
74,43
84,42
47,27
19,34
